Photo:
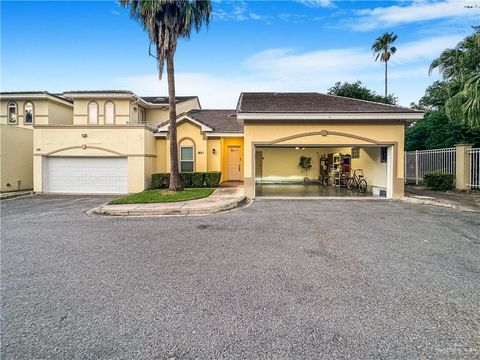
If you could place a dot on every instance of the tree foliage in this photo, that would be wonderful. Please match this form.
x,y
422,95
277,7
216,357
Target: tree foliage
x,y
357,91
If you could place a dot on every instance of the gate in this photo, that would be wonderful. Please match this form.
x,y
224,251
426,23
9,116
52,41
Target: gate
x,y
421,162
474,155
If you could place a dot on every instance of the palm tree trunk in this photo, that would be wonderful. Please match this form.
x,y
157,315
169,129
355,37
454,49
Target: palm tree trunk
x,y
174,175
386,90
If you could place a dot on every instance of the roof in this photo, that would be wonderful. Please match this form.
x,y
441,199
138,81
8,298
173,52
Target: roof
x,y
311,102
36,94
221,121
163,100
98,92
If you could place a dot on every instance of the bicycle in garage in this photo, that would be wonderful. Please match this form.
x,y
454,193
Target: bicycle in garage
x,y
357,181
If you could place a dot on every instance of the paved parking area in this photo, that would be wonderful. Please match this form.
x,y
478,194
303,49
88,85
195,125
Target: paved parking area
x,y
278,280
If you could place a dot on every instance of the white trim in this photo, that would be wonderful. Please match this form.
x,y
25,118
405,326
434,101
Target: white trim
x,y
330,116
389,171
31,96
99,95
204,127
214,134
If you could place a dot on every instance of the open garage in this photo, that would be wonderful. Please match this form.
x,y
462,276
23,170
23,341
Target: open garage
x,y
301,171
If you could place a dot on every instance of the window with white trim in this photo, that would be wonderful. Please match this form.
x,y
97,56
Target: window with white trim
x,y
355,153
12,113
28,113
383,154
187,162
93,113
109,113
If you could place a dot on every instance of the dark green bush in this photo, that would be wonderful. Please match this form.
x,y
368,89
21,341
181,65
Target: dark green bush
x,y
212,178
198,179
160,181
439,181
186,179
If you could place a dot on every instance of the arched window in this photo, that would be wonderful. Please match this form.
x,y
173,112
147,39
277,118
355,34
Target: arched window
x,y
187,156
28,113
109,113
93,113
12,113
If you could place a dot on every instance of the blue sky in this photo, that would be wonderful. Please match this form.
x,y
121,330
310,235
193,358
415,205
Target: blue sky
x,y
249,46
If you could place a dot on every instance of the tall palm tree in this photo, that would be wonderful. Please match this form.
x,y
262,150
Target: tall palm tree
x,y
384,51
165,22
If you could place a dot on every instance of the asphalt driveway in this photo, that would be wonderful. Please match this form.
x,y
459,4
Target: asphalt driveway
x,y
278,280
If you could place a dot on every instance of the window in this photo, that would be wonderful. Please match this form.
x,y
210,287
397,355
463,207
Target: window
x,y
28,113
186,159
355,153
12,113
383,154
93,113
109,113
142,116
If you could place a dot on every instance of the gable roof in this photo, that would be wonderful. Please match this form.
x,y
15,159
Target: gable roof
x,y
311,102
36,95
220,121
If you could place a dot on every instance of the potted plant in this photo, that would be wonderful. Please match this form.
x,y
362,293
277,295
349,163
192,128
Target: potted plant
x,y
305,163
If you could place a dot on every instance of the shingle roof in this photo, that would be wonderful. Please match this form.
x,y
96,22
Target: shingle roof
x,y
263,102
59,96
221,121
164,99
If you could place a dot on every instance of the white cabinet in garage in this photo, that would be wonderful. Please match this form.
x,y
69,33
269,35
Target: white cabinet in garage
x,y
82,175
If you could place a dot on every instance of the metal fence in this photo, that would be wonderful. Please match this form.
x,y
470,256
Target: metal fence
x,y
474,155
421,162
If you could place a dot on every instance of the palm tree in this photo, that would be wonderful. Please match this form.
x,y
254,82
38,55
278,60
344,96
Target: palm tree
x,y
460,68
166,21
384,51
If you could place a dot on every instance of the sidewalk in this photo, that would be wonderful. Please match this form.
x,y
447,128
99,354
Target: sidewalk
x,y
464,201
222,199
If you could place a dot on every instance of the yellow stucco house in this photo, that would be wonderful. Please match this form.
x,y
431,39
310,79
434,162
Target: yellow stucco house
x,y
116,140
19,112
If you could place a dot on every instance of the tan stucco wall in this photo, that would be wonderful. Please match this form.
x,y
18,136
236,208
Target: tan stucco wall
x,y
80,111
135,143
334,134
16,158
44,112
214,161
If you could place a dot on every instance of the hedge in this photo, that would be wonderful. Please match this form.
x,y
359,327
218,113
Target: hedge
x,y
188,180
439,181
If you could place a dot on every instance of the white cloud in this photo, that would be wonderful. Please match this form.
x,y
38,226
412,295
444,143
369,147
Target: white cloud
x,y
316,3
286,70
382,17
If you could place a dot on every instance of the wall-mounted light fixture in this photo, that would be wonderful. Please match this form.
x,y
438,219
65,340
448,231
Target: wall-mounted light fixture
x,y
84,135
135,108
214,151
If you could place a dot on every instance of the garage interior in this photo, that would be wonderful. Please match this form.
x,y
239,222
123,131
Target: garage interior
x,y
278,172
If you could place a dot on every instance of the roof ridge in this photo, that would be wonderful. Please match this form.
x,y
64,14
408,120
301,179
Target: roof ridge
x,y
368,101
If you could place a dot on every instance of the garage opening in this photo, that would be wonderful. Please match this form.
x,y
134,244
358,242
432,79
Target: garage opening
x,y
85,175
322,171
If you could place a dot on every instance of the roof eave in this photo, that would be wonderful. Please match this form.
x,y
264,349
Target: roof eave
x,y
347,116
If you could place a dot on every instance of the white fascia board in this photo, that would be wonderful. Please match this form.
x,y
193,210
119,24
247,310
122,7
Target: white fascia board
x,y
330,116
100,96
36,96
214,134
204,127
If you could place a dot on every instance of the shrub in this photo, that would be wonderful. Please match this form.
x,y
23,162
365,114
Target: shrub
x,y
160,181
212,178
439,181
198,179
186,179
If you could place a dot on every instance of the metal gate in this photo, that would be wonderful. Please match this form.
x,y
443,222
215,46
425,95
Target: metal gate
x,y
474,155
421,162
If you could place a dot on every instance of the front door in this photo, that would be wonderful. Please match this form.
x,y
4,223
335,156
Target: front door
x,y
234,163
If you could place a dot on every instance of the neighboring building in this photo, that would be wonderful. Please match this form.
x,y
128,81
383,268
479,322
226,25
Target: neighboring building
x,y
109,147
19,112
116,140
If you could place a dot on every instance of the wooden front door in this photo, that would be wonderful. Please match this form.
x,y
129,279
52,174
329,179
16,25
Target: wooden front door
x,y
234,163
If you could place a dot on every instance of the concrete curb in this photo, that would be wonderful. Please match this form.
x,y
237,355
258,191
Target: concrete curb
x,y
428,200
16,195
189,208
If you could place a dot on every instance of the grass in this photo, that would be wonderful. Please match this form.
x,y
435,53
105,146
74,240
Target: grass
x,y
163,196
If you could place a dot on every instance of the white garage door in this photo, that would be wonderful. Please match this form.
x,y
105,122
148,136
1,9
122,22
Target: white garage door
x,y
85,175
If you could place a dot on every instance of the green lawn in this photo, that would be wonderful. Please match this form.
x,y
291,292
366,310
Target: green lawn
x,y
162,196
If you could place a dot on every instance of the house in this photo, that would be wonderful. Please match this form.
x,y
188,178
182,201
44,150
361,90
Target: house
x,y
117,139
19,112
